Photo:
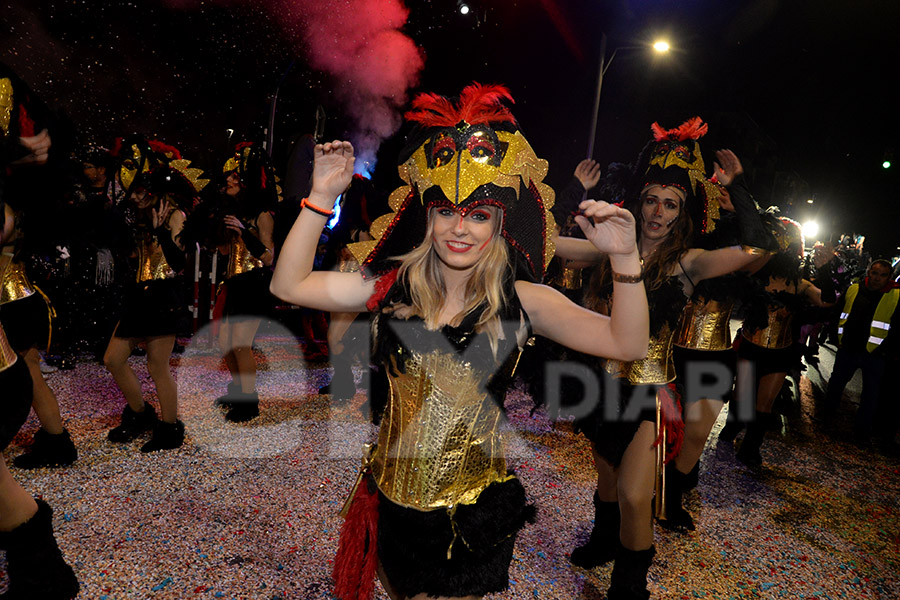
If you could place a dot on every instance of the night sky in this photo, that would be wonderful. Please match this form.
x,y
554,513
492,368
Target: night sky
x,y
802,90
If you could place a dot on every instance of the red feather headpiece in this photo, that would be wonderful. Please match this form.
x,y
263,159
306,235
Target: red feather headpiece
x,y
478,105
692,129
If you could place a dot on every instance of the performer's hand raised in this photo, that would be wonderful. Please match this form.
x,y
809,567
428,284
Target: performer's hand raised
x,y
609,227
332,169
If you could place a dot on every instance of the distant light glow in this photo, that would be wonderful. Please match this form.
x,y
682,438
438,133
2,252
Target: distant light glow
x,y
463,8
661,46
333,221
886,164
810,229
810,201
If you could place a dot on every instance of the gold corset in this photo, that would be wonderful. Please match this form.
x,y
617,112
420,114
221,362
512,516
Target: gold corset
x,y
658,367
7,356
570,279
777,333
152,263
239,259
14,284
705,326
439,444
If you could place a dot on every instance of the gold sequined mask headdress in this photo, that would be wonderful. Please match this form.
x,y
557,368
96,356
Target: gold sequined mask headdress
x,y
465,154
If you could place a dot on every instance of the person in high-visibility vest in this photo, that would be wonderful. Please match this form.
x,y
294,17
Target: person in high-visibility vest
x,y
864,333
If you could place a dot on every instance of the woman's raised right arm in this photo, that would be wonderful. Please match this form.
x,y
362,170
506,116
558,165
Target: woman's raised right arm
x,y
294,279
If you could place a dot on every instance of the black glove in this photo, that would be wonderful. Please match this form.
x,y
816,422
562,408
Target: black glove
x,y
174,255
254,245
752,232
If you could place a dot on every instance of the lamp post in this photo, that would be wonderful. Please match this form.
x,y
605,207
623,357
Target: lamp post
x,y
659,46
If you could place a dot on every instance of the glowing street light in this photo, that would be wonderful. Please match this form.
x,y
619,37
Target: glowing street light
x,y
463,8
660,46
810,229
886,164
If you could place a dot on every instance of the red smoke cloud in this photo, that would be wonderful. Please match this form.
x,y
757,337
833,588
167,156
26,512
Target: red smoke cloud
x,y
360,44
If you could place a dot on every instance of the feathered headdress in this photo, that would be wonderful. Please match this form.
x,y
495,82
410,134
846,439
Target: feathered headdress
x,y
465,153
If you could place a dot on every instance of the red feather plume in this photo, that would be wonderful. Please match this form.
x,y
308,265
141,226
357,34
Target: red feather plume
x,y
171,152
692,129
478,104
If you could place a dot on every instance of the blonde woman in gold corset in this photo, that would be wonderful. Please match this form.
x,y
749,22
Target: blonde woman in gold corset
x,y
249,249
638,427
447,278
154,311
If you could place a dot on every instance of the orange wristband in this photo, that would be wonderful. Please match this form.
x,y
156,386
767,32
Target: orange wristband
x,y
305,203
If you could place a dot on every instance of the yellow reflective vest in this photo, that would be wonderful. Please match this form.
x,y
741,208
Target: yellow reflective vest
x,y
881,321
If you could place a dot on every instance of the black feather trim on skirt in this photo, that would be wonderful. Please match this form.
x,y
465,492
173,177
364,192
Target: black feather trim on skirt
x,y
413,544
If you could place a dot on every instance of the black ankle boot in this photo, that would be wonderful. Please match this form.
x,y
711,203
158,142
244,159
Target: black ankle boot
x,y
629,575
756,433
48,450
35,565
604,541
133,424
731,430
677,518
245,408
166,436
231,396
691,480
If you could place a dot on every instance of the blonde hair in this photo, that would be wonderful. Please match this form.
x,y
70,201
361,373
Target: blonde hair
x,y
420,270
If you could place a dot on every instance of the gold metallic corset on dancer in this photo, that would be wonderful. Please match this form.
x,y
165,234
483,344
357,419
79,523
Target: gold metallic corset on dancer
x,y
569,279
239,258
14,283
777,333
657,368
705,325
152,264
440,443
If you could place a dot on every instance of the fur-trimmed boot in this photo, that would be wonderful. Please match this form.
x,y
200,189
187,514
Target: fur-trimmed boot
x,y
677,518
48,450
629,575
232,393
692,479
243,408
731,429
604,541
35,564
749,453
133,424
166,436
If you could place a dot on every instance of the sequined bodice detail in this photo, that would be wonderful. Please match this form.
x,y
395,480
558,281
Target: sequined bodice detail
x,y
705,325
440,441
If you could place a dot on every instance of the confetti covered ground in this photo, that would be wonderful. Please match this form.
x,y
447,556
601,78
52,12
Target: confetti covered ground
x,y
250,511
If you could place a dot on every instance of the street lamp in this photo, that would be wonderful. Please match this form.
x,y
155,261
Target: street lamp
x,y
659,46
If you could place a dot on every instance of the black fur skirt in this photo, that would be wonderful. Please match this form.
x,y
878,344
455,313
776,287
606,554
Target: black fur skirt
x,y
27,323
615,421
247,295
714,364
154,308
769,360
413,544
